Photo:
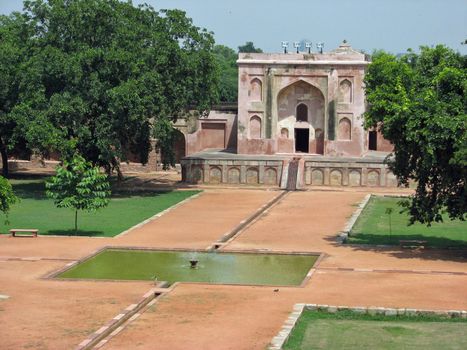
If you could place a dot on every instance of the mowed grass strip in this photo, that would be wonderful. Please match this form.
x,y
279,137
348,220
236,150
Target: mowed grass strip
x,y
347,330
372,227
125,210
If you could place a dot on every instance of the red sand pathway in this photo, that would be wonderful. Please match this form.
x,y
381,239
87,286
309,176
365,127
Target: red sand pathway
x,y
44,314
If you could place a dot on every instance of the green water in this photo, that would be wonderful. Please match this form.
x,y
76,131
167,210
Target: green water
x,y
173,266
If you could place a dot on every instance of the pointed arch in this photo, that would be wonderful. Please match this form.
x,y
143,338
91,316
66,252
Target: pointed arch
x,y
255,127
302,92
256,90
301,112
345,91
344,129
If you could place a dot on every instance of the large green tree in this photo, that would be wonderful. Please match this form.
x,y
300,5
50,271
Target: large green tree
x,y
20,92
103,72
228,84
419,103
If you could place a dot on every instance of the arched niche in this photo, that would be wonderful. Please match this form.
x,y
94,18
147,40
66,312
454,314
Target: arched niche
x,y
317,177
355,178
372,178
252,176
255,127
215,175
345,91
197,175
344,129
256,90
233,176
335,178
302,93
270,176
302,112
285,133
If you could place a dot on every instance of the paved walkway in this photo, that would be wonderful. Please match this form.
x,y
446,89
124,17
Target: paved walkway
x,y
218,317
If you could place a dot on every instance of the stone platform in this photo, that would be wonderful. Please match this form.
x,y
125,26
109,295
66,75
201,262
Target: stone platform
x,y
223,167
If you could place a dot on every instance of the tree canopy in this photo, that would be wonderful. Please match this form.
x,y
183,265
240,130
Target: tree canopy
x,y
249,47
228,81
16,96
418,102
100,74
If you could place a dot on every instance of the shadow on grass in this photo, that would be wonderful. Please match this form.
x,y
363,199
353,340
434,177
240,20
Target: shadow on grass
x,y
36,190
72,232
442,254
125,193
432,241
30,190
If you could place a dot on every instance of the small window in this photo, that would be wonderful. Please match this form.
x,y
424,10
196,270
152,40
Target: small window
x,y
302,113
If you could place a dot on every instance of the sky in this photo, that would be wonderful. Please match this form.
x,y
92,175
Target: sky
x,y
392,25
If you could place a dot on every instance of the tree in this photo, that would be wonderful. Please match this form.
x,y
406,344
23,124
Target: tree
x,y
104,72
249,47
19,91
79,185
7,197
418,103
228,82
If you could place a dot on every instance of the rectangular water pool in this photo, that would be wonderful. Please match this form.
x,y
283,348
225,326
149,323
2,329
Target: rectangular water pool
x,y
213,267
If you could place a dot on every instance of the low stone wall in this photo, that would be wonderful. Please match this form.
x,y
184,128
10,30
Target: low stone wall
x,y
345,173
250,172
270,172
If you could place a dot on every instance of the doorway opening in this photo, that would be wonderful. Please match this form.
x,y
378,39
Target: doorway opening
x,y
302,137
372,141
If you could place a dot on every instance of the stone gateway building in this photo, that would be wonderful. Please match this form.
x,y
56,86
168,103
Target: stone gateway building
x,y
298,123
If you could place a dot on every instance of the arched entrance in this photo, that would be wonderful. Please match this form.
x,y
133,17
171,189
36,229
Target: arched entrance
x,y
301,107
179,146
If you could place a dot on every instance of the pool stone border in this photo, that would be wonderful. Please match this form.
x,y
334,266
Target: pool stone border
x,y
281,338
53,275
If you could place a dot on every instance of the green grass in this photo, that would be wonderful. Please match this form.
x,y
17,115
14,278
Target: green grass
x,y
348,330
213,267
372,227
125,210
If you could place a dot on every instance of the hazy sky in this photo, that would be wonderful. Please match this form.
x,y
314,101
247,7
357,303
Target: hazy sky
x,y
393,25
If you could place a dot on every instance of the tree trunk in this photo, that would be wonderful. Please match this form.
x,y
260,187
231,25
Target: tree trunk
x,y
4,153
119,175
116,166
76,222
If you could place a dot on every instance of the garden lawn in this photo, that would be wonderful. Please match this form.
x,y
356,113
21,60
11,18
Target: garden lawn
x,y
125,210
372,227
347,330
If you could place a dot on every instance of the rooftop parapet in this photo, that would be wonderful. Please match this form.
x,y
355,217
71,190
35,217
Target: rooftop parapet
x,y
343,55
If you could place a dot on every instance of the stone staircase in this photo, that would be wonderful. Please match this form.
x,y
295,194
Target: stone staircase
x,y
292,174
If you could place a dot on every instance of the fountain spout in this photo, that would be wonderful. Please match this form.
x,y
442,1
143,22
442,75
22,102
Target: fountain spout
x,y
193,264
